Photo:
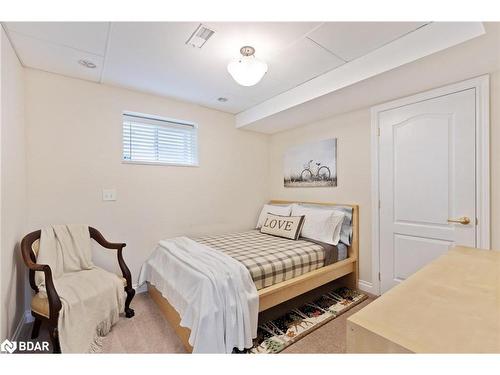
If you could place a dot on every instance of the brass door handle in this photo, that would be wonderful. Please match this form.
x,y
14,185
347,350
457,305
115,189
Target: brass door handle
x,y
463,220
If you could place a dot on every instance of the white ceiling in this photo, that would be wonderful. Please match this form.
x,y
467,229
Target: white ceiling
x,y
153,57
312,100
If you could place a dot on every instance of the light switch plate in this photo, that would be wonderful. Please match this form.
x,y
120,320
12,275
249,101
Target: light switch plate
x,y
109,194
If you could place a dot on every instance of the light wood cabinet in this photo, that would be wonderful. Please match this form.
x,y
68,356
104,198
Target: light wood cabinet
x,y
451,305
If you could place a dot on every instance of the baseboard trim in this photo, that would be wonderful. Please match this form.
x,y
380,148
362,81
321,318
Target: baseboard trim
x,y
367,286
140,288
25,319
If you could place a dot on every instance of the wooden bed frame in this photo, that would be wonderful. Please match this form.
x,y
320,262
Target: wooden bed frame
x,y
286,290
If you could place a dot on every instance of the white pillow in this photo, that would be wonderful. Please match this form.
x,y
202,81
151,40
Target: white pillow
x,y
320,225
275,210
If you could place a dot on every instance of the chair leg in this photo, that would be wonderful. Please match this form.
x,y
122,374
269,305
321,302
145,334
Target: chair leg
x,y
54,339
129,313
36,328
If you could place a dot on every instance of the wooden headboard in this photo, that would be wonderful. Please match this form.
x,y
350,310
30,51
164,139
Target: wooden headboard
x,y
353,250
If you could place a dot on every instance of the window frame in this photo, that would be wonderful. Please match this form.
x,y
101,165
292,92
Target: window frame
x,y
165,119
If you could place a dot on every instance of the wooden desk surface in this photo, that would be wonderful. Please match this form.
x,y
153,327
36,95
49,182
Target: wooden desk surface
x,y
451,305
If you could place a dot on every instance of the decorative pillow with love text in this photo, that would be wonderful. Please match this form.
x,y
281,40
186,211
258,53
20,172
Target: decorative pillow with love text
x,y
283,226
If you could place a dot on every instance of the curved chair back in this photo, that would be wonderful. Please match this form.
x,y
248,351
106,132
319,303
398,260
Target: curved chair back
x,y
30,245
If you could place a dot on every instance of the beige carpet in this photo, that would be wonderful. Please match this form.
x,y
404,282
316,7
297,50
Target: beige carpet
x,y
149,332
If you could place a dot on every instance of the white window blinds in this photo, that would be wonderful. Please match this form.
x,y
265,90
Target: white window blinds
x,y
158,141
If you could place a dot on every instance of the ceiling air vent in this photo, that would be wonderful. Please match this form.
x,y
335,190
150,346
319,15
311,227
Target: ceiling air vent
x,y
200,36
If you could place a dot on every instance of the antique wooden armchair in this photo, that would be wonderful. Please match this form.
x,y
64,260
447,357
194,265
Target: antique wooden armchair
x,y
48,308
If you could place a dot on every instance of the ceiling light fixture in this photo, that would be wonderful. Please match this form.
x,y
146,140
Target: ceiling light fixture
x,y
247,70
87,63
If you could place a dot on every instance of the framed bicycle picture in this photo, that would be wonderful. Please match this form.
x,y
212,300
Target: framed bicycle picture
x,y
311,165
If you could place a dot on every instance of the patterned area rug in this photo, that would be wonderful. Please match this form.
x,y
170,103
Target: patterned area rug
x,y
275,335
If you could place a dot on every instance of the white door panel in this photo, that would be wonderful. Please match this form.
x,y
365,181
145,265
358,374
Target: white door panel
x,y
422,135
427,176
412,253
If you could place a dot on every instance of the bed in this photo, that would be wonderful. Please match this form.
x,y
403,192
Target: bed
x,y
271,260
280,268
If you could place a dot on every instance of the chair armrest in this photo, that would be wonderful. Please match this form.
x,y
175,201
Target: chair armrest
x,y
54,300
99,238
29,260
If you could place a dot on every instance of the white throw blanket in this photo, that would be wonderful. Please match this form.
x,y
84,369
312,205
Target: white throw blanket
x,y
91,297
213,293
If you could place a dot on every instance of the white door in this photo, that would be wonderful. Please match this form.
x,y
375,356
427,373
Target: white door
x,y
426,182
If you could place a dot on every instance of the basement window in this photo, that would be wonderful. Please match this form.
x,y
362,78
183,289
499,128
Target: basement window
x,y
149,139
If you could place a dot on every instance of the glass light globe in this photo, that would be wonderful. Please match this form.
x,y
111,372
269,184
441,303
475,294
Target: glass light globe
x,y
247,70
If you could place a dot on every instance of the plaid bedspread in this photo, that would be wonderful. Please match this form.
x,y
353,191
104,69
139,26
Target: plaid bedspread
x,y
269,259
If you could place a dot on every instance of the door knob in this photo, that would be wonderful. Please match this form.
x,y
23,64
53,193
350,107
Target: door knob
x,y
463,220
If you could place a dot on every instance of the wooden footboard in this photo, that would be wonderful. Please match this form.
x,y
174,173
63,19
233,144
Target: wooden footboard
x,y
286,290
172,316
278,293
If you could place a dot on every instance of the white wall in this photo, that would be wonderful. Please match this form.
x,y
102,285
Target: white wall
x,y
352,131
74,147
13,188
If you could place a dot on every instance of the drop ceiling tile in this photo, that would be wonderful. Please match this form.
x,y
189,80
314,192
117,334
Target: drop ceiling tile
x,y
268,38
350,40
55,58
234,104
85,36
268,87
154,57
301,62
